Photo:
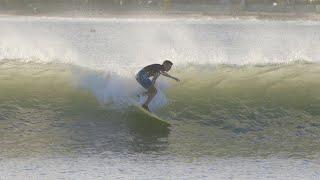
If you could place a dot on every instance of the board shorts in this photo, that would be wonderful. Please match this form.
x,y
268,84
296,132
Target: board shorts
x,y
143,79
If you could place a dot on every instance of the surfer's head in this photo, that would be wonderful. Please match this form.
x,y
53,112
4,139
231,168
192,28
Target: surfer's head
x,y
167,65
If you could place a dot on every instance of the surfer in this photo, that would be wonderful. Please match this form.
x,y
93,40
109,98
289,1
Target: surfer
x,y
153,70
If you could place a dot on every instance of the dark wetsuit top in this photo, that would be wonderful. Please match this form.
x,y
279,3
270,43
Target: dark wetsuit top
x,y
153,69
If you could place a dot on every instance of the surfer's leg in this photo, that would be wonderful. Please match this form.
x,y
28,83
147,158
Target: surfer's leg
x,y
152,91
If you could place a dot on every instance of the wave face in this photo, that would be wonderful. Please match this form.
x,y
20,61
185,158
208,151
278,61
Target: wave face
x,y
249,88
257,92
249,104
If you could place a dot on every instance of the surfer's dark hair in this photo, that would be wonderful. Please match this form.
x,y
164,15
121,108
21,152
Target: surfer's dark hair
x,y
167,62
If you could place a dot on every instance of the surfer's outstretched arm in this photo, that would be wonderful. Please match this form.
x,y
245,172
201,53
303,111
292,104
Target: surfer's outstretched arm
x,y
169,76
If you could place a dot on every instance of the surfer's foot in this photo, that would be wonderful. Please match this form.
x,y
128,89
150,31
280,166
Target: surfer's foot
x,y
146,107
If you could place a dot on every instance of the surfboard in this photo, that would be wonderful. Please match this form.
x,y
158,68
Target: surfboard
x,y
151,115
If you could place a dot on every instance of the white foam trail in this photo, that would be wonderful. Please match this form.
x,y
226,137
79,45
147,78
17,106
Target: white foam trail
x,y
120,91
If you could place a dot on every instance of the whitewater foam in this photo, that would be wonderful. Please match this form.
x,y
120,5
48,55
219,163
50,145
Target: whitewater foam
x,y
144,41
120,91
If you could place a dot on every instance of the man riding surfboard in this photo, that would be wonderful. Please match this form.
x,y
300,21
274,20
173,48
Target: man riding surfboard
x,y
153,70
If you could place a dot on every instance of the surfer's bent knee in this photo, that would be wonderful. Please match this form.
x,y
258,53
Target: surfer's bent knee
x,y
152,90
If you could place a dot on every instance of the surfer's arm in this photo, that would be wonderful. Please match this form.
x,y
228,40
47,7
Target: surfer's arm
x,y
154,79
169,76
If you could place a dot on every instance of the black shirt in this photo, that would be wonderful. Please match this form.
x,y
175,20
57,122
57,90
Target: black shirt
x,y
153,69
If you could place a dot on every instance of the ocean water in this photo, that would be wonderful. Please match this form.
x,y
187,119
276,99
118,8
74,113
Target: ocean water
x,y
247,106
